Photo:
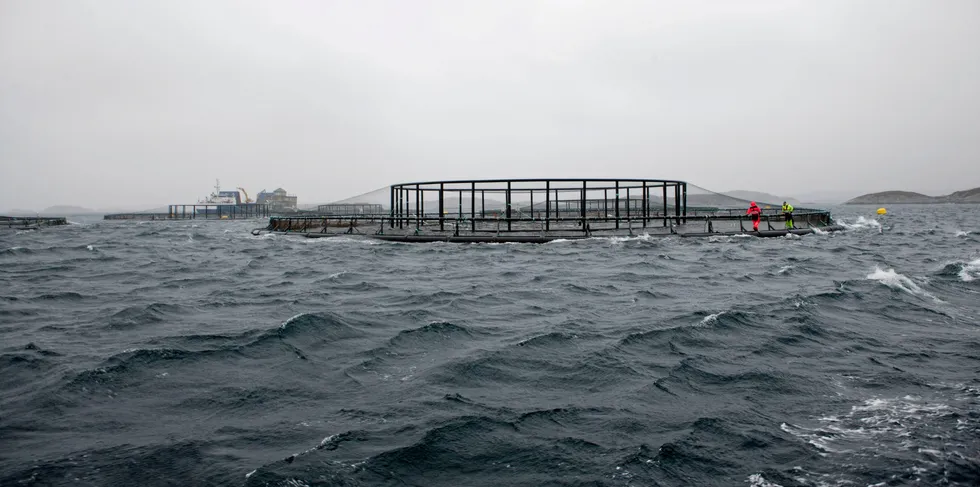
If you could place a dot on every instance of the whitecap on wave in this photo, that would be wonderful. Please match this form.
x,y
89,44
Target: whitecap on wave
x,y
712,318
861,223
618,240
729,238
970,271
343,240
898,427
757,480
899,282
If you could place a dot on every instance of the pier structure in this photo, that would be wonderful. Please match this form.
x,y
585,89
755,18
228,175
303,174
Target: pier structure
x,y
200,211
541,210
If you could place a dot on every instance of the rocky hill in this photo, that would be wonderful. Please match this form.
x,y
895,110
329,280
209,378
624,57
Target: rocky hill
x,y
908,197
968,196
761,197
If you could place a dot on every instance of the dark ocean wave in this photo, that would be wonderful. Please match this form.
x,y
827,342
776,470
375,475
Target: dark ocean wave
x,y
193,353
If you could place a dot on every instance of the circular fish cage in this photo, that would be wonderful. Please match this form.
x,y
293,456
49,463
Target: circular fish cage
x,y
542,210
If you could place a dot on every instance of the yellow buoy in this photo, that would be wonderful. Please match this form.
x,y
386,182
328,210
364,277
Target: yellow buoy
x,y
882,211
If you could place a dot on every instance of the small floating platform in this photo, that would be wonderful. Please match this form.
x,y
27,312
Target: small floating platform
x,y
31,222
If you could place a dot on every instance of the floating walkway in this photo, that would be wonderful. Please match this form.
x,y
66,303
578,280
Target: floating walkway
x,y
545,210
31,222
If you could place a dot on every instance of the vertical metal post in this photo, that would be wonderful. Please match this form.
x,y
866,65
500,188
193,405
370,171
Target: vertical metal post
x,y
532,205
685,202
677,204
547,205
418,207
646,204
664,186
473,207
617,204
584,228
483,203
627,203
605,204
508,205
391,207
442,221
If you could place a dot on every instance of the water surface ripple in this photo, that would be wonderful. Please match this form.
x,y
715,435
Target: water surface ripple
x,y
193,353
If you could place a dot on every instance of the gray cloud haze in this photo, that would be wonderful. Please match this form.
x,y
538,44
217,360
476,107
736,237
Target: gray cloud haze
x,y
142,103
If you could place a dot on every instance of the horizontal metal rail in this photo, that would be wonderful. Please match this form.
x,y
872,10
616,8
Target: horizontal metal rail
x,y
498,223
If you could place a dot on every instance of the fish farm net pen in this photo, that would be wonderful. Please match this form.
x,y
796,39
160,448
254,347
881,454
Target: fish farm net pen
x,y
542,210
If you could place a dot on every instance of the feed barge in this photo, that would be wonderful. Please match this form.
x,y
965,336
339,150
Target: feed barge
x,y
544,210
220,205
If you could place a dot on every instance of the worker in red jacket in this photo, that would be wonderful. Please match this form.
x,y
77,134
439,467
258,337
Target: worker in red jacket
x,y
755,214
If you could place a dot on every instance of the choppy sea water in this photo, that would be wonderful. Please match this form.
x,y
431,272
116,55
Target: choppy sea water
x,y
193,353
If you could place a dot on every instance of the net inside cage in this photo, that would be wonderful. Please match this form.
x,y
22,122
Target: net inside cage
x,y
527,196
573,206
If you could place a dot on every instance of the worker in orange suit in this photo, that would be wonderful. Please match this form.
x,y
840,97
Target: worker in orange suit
x,y
755,214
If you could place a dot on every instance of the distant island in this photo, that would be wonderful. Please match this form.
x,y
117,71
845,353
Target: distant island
x,y
908,197
70,210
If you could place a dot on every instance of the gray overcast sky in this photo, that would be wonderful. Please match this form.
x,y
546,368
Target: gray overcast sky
x,y
142,103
